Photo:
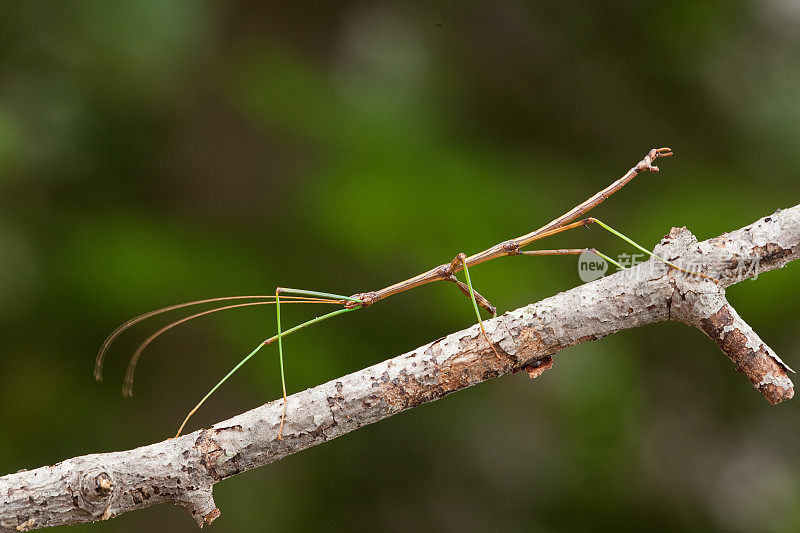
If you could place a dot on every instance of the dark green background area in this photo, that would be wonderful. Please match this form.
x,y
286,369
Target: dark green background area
x,y
154,152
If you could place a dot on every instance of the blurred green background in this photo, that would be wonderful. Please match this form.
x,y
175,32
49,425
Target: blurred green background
x,y
155,152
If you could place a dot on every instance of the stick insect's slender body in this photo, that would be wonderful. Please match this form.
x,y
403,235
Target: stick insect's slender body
x,y
443,272
513,246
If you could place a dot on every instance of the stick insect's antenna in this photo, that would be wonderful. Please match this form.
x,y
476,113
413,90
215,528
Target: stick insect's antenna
x,y
127,389
101,354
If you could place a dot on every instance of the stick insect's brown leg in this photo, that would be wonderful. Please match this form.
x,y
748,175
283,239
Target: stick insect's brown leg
x,y
561,251
457,263
455,266
572,251
481,301
461,260
584,223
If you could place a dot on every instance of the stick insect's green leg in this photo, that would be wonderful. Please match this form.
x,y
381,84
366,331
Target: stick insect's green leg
x,y
302,292
280,357
279,336
604,256
643,249
475,305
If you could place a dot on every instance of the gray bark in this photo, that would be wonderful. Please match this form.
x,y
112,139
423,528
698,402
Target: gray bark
x,y
183,471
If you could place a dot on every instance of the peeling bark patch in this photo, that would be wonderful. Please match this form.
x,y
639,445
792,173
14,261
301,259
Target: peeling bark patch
x,y
771,254
209,450
213,515
27,525
237,427
537,368
530,344
756,363
409,390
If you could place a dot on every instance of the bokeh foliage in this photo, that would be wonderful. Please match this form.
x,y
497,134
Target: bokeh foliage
x,y
154,152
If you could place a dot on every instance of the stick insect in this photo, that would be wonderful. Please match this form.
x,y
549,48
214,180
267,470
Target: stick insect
x,y
347,304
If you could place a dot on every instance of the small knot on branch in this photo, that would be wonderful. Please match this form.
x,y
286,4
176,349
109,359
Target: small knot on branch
x,y
95,490
104,484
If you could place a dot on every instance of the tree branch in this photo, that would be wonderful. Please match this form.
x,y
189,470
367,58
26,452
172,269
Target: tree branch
x,y
183,471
